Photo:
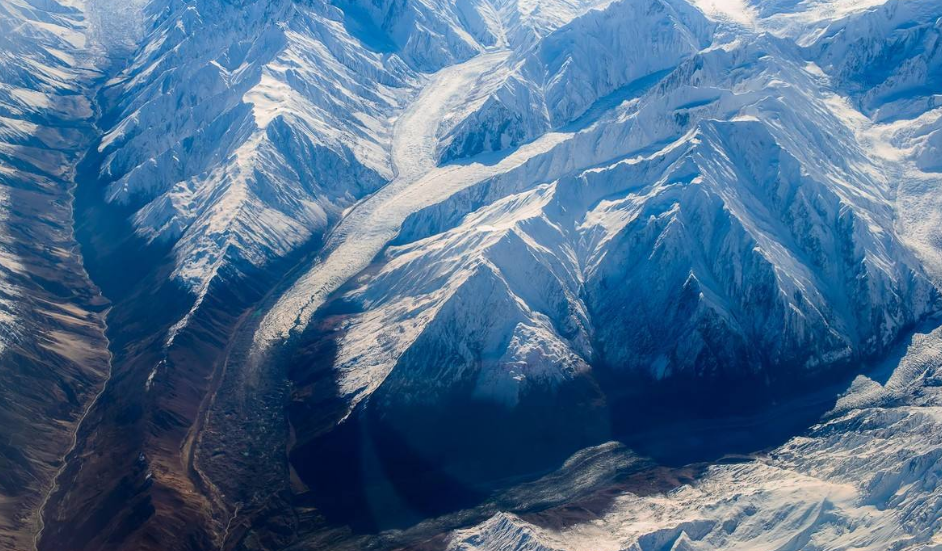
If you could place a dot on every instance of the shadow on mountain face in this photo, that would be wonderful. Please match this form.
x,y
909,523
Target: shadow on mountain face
x,y
380,470
393,467
677,425
358,23
390,465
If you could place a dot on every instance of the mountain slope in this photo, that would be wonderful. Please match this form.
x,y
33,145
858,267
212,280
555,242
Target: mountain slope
x,y
53,352
725,228
377,267
738,228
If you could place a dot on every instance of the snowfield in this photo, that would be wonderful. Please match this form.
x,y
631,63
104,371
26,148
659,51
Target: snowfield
x,y
536,211
736,185
867,477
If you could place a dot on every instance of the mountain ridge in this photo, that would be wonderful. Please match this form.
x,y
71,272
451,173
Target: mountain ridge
x,y
358,251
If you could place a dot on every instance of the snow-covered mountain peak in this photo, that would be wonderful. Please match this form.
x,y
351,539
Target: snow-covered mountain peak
x,y
740,12
470,238
746,189
560,79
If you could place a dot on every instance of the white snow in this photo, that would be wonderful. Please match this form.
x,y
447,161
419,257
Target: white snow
x,y
652,181
866,479
365,230
738,11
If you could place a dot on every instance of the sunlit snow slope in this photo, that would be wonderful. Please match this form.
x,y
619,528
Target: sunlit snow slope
x,y
867,476
436,247
724,216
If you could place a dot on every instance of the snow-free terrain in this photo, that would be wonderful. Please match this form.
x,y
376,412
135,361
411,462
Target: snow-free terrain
x,y
373,269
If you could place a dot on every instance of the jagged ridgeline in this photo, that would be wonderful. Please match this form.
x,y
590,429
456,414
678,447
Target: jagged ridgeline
x,y
474,274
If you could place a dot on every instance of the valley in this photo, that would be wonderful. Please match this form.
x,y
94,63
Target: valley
x,y
496,274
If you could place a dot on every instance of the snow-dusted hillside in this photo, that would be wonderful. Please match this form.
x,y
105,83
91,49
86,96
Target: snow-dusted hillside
x,y
733,223
53,352
525,218
866,477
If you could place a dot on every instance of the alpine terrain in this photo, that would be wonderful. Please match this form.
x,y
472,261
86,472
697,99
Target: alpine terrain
x,y
471,275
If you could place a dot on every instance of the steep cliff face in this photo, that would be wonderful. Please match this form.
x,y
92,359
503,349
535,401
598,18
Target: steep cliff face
x,y
364,254
567,72
736,240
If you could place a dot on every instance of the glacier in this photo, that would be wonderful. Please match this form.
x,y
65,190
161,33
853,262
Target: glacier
x,y
374,274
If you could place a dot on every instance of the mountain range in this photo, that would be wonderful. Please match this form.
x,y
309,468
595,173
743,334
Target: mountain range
x,y
470,275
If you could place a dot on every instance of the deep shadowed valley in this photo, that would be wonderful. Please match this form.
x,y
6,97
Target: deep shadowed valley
x,y
547,275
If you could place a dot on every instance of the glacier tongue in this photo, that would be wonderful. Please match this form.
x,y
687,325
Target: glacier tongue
x,y
537,210
752,230
370,226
